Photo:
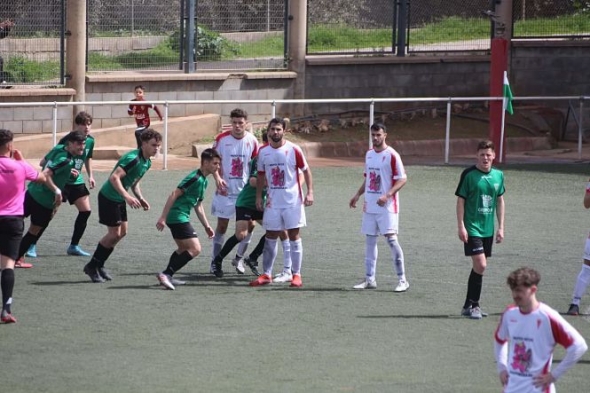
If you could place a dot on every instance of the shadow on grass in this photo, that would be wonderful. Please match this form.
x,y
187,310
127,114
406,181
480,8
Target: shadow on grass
x,y
431,316
54,283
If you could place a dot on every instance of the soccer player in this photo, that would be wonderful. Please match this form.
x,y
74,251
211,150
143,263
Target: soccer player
x,y
527,335
14,172
384,177
141,113
279,163
176,215
43,200
75,191
480,195
113,197
236,147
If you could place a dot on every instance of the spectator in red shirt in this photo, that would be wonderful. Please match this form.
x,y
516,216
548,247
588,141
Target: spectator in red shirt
x,y
141,113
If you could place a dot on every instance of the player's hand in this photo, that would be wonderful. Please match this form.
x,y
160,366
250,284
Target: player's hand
x,y
353,201
17,155
259,205
308,199
57,201
222,191
504,378
133,202
210,232
161,224
499,235
542,381
462,232
91,182
382,200
74,172
144,204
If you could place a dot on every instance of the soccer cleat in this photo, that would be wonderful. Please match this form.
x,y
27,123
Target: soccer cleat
x,y
475,313
402,286
253,265
104,274
284,276
296,282
466,312
216,269
93,274
367,284
263,279
77,251
164,280
177,282
7,318
32,251
238,263
21,264
573,310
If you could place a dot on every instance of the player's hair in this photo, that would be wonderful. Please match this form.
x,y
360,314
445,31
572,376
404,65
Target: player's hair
x,y
525,276
139,87
209,154
265,137
6,136
378,127
83,118
238,113
149,134
75,136
276,120
483,145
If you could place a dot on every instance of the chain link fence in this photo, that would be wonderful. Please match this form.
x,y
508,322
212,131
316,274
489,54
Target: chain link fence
x,y
31,42
551,19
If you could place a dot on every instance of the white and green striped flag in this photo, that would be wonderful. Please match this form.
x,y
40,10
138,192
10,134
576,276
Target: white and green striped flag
x,y
507,95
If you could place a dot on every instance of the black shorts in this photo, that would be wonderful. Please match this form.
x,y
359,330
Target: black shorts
x,y
245,214
40,215
111,213
11,233
479,245
73,192
182,231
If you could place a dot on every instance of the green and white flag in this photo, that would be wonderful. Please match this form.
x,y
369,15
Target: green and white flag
x,y
507,95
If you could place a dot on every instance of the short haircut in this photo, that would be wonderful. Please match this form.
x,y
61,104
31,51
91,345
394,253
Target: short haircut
x,y
483,145
265,136
238,113
76,136
83,118
525,276
139,87
6,136
276,120
149,134
209,154
378,127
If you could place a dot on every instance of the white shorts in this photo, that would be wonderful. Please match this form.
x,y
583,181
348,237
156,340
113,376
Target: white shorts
x,y
279,219
223,206
587,249
379,224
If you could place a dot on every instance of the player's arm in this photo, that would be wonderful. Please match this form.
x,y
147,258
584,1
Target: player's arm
x,y
88,165
203,219
501,355
177,193
40,177
260,181
48,173
358,194
500,216
116,181
587,197
137,192
157,110
309,184
461,230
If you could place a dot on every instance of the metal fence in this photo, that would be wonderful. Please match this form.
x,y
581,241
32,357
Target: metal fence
x,y
31,46
551,18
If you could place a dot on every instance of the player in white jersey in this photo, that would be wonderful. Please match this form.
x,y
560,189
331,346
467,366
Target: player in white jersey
x,y
526,337
236,147
583,279
279,163
384,177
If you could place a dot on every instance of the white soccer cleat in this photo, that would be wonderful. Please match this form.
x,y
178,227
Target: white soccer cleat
x,y
165,281
238,263
174,281
283,277
367,284
402,286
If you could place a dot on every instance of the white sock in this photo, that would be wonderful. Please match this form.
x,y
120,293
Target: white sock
x,y
268,255
371,253
243,246
286,255
218,240
581,284
398,257
296,255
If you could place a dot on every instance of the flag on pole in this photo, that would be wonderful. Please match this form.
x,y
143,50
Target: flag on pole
x,y
507,95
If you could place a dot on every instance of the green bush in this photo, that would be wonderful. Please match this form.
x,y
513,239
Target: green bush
x,y
209,45
21,70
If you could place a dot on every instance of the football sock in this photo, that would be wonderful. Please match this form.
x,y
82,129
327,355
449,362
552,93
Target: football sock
x,y
80,227
371,253
257,252
177,262
244,245
26,242
286,255
268,256
474,285
296,255
398,257
217,243
100,256
38,236
7,285
226,249
581,284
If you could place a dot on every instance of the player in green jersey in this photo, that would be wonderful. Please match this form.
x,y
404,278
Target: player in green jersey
x,y
480,197
75,191
187,196
114,196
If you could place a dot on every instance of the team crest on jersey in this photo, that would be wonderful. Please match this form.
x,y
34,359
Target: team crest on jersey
x,y
277,177
237,167
522,358
374,181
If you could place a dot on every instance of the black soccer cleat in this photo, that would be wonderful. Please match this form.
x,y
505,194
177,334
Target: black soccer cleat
x,y
93,274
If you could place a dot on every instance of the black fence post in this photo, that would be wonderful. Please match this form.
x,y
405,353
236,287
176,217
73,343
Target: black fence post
x,y
402,27
189,65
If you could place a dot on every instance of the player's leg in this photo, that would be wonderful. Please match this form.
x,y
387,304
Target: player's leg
x,y
479,249
286,275
11,231
40,219
188,247
582,282
388,224
371,231
224,209
294,219
245,223
80,197
228,246
273,224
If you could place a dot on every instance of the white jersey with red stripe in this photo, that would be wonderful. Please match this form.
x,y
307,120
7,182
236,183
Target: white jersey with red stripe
x,y
382,170
280,167
235,156
532,338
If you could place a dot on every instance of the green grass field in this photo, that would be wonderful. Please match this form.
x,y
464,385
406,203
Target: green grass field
x,y
220,335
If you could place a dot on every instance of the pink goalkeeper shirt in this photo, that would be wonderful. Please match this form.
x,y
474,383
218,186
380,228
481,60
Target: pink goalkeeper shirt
x,y
13,174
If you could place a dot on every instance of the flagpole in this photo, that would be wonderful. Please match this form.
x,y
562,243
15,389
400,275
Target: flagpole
x,y
502,124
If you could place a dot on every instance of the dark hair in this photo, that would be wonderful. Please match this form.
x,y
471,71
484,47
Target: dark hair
x,y
239,113
139,87
76,136
6,136
276,120
83,118
265,137
378,127
483,145
209,154
149,134
525,276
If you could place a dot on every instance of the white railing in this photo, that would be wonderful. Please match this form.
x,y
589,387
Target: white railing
x,y
273,103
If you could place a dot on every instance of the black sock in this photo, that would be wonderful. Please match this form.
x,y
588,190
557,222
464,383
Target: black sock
x,y
100,256
38,236
177,262
473,289
226,249
7,284
257,252
80,227
26,242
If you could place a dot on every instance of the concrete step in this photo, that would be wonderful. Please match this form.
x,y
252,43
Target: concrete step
x,y
110,152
